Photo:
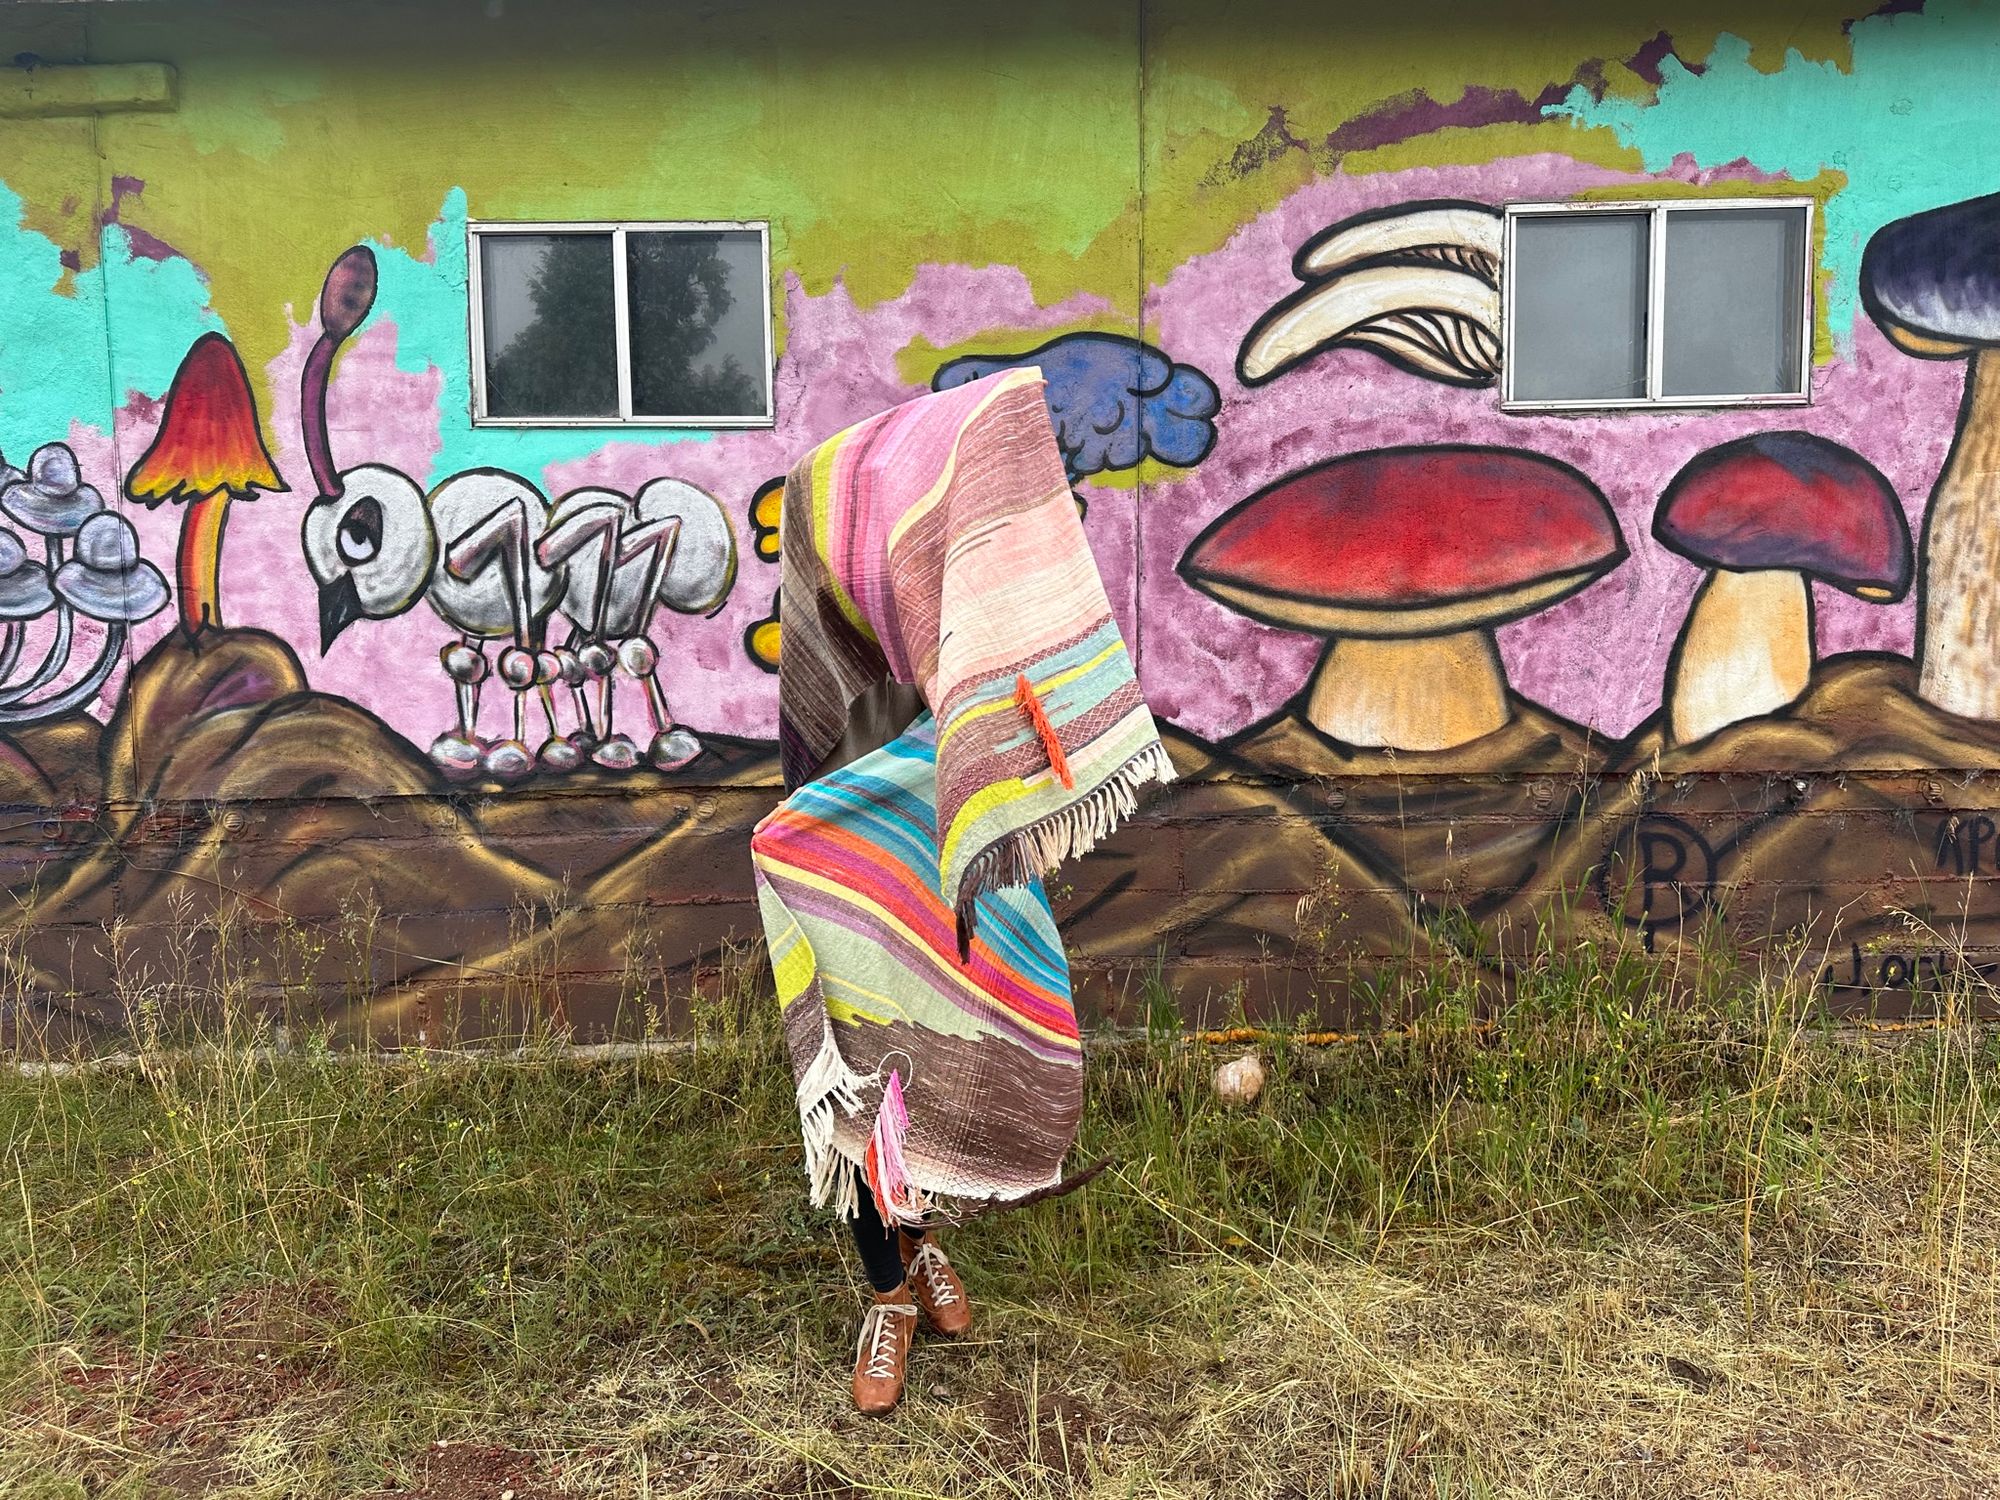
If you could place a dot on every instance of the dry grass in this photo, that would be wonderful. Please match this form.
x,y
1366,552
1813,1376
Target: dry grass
x,y
1597,1244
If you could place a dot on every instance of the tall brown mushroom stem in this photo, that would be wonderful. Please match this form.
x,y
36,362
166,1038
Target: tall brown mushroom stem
x,y
1430,693
1958,631
1746,650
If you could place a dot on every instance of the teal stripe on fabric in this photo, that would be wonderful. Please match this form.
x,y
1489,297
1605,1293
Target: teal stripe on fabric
x,y
994,688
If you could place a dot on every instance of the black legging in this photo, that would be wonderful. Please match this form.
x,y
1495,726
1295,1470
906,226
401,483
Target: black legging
x,y
876,1241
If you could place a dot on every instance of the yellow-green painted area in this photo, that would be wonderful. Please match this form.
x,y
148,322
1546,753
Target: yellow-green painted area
x,y
1089,146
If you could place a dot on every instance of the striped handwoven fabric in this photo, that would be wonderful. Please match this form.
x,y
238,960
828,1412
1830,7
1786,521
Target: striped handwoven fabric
x,y
938,545
865,953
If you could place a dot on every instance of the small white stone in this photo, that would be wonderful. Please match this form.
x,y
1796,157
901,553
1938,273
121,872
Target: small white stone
x,y
1241,1081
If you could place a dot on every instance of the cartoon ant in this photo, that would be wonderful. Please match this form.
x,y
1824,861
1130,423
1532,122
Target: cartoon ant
x,y
494,561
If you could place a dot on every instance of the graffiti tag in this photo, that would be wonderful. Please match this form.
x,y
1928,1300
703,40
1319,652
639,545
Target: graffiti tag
x,y
1658,875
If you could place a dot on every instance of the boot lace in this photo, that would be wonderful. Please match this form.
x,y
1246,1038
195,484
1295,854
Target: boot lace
x,y
929,1262
878,1345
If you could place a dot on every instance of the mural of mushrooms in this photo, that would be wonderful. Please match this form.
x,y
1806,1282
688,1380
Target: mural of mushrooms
x,y
1767,514
1417,283
1931,282
208,452
105,580
1408,557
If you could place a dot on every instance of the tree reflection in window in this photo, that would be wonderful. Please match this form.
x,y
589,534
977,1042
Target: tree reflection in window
x,y
693,346
551,327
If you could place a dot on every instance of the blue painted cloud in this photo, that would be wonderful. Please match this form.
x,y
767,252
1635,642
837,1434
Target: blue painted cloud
x,y
1113,399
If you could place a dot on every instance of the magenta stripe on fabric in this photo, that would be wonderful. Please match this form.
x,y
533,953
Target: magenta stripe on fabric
x,y
919,910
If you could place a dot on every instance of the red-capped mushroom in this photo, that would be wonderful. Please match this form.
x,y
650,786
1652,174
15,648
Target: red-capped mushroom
x,y
1409,557
1767,513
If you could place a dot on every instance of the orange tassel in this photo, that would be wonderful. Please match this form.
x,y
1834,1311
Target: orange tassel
x,y
1025,699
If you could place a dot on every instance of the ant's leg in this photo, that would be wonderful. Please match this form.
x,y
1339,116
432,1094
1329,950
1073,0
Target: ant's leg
x,y
570,668
509,759
672,747
569,672
558,752
456,751
613,751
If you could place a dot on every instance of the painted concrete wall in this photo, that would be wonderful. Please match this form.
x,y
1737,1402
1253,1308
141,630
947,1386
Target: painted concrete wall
x,y
941,187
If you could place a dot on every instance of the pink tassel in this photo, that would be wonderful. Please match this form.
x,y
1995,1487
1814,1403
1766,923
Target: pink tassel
x,y
887,1171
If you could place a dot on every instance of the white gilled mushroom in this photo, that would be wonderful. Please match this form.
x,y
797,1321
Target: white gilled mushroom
x,y
108,580
1932,284
52,501
1408,557
1767,513
1419,284
24,594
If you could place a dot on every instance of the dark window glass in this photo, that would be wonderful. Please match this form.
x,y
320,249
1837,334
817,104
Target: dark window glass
x,y
697,322
551,335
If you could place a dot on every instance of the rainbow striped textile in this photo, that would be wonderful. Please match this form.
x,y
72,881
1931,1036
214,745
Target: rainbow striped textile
x,y
925,994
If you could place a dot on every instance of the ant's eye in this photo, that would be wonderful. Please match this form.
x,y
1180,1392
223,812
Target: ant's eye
x,y
360,536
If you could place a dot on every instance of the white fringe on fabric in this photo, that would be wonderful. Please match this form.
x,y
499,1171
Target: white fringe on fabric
x,y
827,1090
828,1084
1040,847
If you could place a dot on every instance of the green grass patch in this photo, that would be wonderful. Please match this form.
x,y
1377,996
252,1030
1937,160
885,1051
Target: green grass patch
x,y
367,1255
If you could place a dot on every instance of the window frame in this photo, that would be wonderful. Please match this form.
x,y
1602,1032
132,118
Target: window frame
x,y
477,229
1657,210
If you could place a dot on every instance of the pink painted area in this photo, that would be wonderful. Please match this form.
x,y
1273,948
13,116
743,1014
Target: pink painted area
x,y
1599,657
375,413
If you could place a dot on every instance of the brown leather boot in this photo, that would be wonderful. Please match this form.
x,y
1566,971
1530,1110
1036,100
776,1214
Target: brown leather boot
x,y
882,1356
935,1285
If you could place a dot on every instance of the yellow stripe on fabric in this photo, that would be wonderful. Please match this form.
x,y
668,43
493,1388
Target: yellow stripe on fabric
x,y
997,794
1002,387
847,1010
850,897
824,458
1042,690
791,953
793,971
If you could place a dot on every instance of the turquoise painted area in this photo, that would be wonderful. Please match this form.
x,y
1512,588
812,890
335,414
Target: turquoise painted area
x,y
55,365
1909,121
425,298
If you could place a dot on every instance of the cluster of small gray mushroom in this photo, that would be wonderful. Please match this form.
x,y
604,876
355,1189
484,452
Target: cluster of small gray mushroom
x,y
90,567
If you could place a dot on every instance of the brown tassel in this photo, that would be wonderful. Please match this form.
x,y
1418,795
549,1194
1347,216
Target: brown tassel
x,y
1025,699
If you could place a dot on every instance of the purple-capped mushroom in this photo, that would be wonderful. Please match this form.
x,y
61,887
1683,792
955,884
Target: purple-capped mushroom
x,y
1931,282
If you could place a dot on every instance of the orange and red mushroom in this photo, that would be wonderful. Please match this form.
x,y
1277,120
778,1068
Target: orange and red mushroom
x,y
209,451
1766,514
1408,557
